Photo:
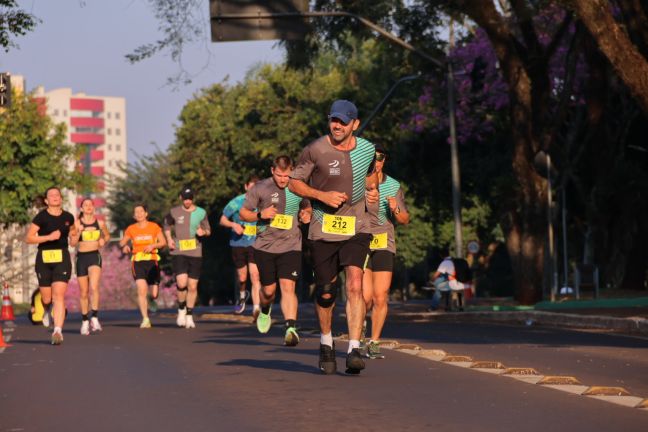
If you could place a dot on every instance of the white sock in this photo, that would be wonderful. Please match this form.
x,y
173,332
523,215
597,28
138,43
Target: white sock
x,y
353,343
327,339
242,294
58,330
256,307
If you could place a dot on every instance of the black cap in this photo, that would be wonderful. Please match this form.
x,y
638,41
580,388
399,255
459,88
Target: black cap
x,y
381,149
187,193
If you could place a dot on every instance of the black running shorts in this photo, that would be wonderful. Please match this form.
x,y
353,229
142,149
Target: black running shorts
x,y
242,256
329,258
183,264
147,270
381,261
59,271
85,260
273,267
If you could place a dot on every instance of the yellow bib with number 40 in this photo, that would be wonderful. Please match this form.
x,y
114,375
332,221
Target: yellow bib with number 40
x,y
249,230
341,225
52,256
186,245
379,241
282,221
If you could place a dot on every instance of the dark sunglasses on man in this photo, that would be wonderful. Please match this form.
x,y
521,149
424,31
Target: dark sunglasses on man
x,y
380,157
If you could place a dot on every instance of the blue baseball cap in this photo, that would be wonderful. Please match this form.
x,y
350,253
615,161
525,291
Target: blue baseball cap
x,y
344,110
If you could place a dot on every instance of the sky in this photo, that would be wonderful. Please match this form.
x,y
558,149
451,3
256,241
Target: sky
x,y
81,44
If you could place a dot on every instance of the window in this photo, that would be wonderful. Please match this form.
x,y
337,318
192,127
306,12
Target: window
x,y
64,113
108,114
109,163
117,116
55,112
118,147
109,147
117,131
108,131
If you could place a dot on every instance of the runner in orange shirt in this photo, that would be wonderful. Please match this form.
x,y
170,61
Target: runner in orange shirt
x,y
146,238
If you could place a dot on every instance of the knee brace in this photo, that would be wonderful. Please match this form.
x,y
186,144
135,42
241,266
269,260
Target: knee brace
x,y
322,290
181,289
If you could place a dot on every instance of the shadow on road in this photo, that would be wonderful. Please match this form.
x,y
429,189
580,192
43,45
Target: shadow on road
x,y
285,365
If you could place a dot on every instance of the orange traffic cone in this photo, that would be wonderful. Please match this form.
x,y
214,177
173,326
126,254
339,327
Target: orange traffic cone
x,y
3,344
7,308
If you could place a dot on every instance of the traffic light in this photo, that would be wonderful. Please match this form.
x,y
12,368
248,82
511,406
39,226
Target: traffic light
x,y
5,90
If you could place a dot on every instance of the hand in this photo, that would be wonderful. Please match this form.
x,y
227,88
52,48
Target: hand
x,y
102,242
55,235
372,194
199,232
238,229
269,212
171,244
392,204
149,248
304,216
334,199
126,249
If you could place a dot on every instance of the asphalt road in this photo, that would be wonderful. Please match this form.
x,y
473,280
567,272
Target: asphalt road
x,y
225,376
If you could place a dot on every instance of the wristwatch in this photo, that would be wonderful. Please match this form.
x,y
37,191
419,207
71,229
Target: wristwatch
x,y
397,211
259,216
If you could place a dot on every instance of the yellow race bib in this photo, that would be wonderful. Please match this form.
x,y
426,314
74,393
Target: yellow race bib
x,y
186,245
144,256
379,241
341,225
282,221
90,235
249,230
52,256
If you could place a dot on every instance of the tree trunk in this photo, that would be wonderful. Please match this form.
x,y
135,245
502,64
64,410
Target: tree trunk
x,y
615,44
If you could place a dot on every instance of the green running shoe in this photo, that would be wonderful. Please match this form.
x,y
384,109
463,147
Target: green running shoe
x,y
291,338
264,321
373,350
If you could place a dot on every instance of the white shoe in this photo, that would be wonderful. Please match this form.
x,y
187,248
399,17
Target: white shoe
x,y
94,324
182,318
85,327
146,323
190,322
46,319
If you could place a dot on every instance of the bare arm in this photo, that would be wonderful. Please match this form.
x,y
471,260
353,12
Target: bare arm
x,y
74,239
225,222
331,198
32,236
105,233
247,215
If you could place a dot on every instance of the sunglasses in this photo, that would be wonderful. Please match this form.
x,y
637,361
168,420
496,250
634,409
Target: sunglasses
x,y
380,157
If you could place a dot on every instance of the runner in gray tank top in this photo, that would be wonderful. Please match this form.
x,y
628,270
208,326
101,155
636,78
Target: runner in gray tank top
x,y
278,245
190,224
336,172
377,278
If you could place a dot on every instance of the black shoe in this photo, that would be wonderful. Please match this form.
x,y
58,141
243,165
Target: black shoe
x,y
327,359
354,362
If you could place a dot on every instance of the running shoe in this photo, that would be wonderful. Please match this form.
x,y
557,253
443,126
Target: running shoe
x,y
146,323
181,321
239,308
373,350
85,327
354,362
189,322
57,338
94,325
47,321
327,359
264,321
291,338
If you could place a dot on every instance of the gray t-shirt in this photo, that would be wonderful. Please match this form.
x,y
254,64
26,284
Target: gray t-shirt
x,y
382,219
326,168
282,233
185,223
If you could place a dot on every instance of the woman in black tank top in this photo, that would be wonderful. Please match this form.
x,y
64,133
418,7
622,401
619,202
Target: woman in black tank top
x,y
93,235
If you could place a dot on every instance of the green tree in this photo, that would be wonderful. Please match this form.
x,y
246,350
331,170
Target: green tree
x,y
33,157
14,22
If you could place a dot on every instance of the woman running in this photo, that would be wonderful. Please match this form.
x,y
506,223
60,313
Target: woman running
x,y
146,238
50,230
93,235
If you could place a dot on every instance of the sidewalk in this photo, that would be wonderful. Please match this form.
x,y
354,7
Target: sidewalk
x,y
627,316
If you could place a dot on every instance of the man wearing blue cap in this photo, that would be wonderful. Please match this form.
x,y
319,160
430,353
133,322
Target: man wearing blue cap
x,y
336,172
